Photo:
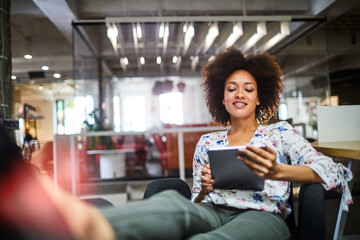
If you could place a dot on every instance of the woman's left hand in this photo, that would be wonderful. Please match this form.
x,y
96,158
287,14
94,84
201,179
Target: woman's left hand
x,y
263,161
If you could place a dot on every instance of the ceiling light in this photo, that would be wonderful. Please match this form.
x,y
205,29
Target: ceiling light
x,y
57,75
122,64
161,30
185,27
174,60
190,33
135,37
166,37
138,31
45,67
27,56
194,62
112,34
235,35
13,77
284,31
125,61
211,36
260,32
41,87
158,60
212,57
142,60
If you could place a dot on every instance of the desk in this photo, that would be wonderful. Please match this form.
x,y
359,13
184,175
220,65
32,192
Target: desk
x,y
343,149
112,162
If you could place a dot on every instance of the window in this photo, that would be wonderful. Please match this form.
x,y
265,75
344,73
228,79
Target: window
x,y
134,113
117,118
171,108
71,114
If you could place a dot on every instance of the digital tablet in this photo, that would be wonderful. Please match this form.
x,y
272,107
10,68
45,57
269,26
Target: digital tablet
x,y
231,173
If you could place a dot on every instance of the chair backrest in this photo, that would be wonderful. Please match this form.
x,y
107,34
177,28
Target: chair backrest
x,y
338,123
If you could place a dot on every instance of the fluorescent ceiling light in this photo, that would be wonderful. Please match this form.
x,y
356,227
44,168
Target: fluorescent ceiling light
x,y
122,64
166,37
57,75
112,34
125,61
194,62
284,31
138,31
175,58
235,35
27,56
260,33
158,60
212,57
135,37
13,77
185,27
161,30
142,60
45,67
190,33
211,36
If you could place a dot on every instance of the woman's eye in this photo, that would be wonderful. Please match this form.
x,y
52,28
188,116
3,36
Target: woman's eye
x,y
249,90
231,89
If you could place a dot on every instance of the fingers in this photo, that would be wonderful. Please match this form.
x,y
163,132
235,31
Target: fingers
x,y
267,153
258,169
261,161
206,179
255,158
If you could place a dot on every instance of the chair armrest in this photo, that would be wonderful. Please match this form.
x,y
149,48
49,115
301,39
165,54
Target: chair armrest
x,y
159,185
311,220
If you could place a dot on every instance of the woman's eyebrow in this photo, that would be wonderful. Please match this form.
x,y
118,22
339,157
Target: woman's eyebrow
x,y
250,83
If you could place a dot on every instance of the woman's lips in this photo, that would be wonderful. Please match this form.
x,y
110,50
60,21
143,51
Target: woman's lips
x,y
239,104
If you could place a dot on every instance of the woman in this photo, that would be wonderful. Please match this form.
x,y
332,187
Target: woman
x,y
244,92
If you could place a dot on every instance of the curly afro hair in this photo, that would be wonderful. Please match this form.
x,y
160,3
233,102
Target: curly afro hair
x,y
262,67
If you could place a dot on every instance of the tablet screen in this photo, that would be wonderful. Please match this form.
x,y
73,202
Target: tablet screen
x,y
231,173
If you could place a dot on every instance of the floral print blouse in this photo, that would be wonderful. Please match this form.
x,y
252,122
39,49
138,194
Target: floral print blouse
x,y
291,149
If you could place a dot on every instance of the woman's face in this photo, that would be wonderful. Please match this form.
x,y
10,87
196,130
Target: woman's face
x,y
240,95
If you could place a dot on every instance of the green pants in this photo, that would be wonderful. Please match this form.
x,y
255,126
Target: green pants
x,y
168,215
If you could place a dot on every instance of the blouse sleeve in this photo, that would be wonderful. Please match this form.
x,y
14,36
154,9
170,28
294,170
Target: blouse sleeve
x,y
300,152
198,163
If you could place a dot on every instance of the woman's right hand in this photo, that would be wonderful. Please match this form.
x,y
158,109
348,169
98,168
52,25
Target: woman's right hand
x,y
206,180
206,183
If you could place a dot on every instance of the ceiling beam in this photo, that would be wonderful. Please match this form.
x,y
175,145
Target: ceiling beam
x,y
196,19
61,15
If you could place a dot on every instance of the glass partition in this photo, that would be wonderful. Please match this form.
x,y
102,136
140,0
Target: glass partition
x,y
306,81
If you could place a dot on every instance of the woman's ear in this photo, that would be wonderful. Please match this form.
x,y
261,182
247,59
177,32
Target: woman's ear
x,y
223,102
257,102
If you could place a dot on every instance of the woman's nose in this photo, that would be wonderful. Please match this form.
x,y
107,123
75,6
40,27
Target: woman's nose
x,y
239,94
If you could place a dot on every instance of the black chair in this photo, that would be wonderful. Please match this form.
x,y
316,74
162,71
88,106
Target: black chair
x,y
311,208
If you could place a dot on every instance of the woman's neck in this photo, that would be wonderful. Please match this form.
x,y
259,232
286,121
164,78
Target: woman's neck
x,y
241,132
241,126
